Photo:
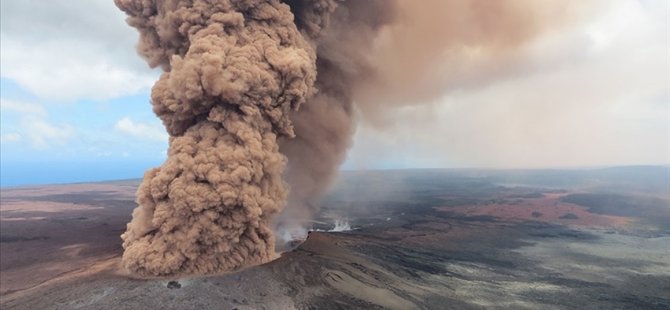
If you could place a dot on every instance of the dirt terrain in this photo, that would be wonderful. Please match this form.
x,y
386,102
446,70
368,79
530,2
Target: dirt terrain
x,y
429,239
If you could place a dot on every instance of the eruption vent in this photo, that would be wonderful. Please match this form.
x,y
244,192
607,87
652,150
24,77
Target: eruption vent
x,y
236,74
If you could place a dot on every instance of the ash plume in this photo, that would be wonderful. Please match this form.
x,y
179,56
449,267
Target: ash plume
x,y
377,55
233,71
263,96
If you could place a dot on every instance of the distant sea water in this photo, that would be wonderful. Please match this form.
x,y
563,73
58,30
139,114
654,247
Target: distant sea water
x,y
36,173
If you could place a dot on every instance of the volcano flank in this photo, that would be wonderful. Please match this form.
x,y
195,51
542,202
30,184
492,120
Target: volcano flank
x,y
455,239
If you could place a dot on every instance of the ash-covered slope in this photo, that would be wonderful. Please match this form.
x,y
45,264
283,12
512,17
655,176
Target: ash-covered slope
x,y
420,239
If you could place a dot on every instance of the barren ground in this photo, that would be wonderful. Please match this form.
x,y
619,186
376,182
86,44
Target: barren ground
x,y
430,239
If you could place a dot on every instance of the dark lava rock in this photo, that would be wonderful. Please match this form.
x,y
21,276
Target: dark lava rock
x,y
569,216
173,285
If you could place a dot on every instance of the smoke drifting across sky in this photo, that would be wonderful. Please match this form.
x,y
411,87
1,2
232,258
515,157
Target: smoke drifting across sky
x,y
589,90
257,93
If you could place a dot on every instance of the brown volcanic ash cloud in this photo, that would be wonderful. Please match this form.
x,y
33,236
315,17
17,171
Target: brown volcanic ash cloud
x,y
376,55
236,73
233,71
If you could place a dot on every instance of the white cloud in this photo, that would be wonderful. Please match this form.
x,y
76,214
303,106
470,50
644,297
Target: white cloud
x,y
140,130
57,71
33,109
10,137
65,50
43,134
34,125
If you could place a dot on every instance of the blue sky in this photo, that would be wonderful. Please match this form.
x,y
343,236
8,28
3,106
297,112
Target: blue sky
x,y
75,100
86,140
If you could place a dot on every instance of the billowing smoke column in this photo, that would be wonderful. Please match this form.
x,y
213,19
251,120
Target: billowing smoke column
x,y
242,101
233,71
377,55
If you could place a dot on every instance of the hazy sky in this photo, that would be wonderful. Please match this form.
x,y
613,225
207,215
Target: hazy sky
x,y
74,99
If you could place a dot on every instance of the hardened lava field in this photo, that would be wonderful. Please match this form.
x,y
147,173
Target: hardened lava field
x,y
426,239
